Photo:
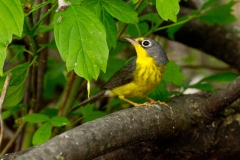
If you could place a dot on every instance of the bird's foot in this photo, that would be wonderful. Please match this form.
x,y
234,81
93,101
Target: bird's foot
x,y
151,101
142,104
159,102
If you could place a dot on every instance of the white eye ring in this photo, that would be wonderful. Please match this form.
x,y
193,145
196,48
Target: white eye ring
x,y
146,43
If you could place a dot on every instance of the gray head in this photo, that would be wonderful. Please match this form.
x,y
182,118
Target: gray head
x,y
153,48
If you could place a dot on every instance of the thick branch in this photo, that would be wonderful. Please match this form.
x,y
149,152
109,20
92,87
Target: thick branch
x,y
149,133
112,132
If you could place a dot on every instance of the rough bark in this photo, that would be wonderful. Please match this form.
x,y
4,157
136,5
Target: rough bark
x,y
114,131
154,132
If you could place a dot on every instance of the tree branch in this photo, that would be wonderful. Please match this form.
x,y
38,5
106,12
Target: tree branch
x,y
222,99
114,131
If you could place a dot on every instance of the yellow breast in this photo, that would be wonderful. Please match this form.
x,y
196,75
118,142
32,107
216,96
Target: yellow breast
x,y
146,77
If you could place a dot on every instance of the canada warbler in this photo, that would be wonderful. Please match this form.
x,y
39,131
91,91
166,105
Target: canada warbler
x,y
138,77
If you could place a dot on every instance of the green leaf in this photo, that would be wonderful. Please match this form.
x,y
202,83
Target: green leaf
x,y
12,16
220,14
81,40
203,86
160,92
87,110
59,121
16,87
120,10
135,1
43,29
50,112
173,74
11,20
209,3
89,113
153,17
168,9
42,134
111,29
94,115
36,118
110,26
18,50
6,114
95,6
221,77
137,30
10,111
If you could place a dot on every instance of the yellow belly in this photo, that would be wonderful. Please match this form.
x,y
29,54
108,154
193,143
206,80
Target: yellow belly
x,y
146,77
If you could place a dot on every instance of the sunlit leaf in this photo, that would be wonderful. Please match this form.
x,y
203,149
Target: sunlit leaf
x,y
81,40
11,20
168,9
120,10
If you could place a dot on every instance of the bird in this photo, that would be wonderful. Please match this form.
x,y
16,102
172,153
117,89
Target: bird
x,y
138,77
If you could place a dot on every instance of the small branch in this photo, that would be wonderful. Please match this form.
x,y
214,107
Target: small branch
x,y
222,99
67,92
73,94
43,55
4,91
20,128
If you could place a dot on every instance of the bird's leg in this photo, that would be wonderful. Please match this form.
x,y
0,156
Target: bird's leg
x,y
155,102
133,103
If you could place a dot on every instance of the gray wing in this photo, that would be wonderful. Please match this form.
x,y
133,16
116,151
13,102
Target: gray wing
x,y
122,76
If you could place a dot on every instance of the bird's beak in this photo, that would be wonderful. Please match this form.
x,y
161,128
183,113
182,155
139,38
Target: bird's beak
x,y
133,41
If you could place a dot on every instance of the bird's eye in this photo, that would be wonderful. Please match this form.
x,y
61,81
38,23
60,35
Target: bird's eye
x,y
146,43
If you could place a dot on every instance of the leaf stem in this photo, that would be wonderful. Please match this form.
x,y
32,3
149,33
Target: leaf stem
x,y
174,24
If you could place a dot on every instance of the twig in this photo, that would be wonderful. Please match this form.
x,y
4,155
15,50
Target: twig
x,y
43,55
20,128
67,92
4,91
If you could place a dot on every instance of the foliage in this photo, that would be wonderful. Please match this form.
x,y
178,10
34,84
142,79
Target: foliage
x,y
87,37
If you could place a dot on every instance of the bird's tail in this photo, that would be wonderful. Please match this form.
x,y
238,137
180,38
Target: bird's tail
x,y
92,99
